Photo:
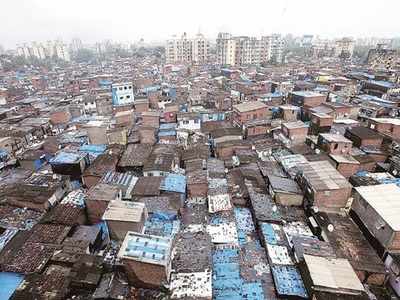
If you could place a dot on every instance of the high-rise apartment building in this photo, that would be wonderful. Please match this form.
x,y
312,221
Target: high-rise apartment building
x,y
226,49
274,47
187,50
38,50
44,50
244,50
24,50
61,51
344,48
76,45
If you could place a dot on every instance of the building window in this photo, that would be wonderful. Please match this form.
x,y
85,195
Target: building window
x,y
128,96
125,88
121,98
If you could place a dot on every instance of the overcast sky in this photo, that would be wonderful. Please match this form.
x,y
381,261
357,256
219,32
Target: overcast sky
x,y
130,20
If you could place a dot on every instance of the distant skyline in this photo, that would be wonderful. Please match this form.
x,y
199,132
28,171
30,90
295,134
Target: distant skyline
x,y
128,21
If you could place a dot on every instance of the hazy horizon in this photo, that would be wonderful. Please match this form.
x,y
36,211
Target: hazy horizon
x,y
127,21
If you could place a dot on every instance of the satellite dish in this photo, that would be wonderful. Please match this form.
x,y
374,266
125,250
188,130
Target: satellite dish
x,y
315,209
330,228
274,208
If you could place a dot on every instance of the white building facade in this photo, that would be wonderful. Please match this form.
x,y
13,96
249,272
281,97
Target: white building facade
x,y
187,50
244,50
41,50
122,94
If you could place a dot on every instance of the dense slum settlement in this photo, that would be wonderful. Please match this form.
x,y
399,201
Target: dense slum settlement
x,y
136,179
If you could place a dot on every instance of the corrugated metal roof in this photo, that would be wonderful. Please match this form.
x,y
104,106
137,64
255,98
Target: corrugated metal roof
x,y
385,200
335,273
223,233
321,175
76,198
219,202
191,285
6,236
127,211
279,255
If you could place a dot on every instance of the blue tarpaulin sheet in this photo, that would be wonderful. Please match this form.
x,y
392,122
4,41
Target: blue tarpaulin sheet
x,y
174,183
92,148
288,281
227,282
268,233
8,284
162,224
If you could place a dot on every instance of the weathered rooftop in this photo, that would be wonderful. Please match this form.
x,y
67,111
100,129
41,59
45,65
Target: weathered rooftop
x,y
146,248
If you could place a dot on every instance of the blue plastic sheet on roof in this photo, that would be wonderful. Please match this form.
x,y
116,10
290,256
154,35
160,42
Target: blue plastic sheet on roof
x,y
252,291
288,281
93,148
244,222
227,282
151,88
75,184
375,99
245,78
382,180
104,229
386,84
162,224
66,158
183,107
216,219
105,82
3,153
9,283
366,75
275,109
225,255
174,183
167,133
166,126
268,233
361,173
274,94
321,89
391,180
172,93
